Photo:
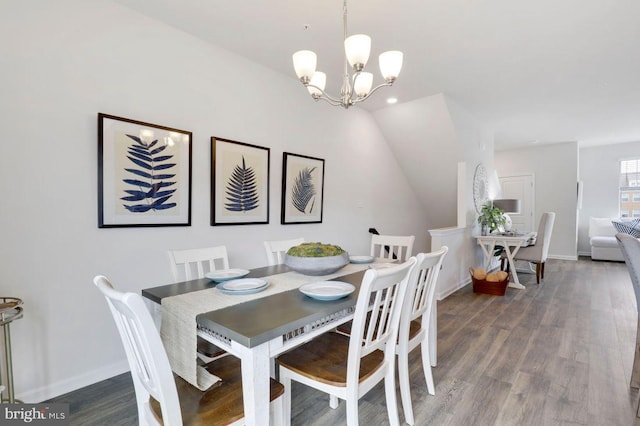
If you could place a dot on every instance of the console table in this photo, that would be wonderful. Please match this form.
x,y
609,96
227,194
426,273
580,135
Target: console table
x,y
511,244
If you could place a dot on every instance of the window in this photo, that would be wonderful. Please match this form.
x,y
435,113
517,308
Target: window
x,y
636,213
629,187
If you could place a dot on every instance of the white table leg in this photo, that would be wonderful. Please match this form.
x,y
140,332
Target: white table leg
x,y
488,253
255,382
155,311
512,266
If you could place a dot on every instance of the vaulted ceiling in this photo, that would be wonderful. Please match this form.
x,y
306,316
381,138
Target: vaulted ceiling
x,y
543,71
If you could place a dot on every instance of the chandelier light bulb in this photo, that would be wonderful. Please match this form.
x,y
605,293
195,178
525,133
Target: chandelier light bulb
x,y
319,79
362,83
304,63
357,48
390,64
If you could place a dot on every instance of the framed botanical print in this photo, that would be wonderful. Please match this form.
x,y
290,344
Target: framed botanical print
x,y
144,174
302,189
239,183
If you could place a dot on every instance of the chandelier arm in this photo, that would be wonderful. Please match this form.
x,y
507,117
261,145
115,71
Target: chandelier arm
x,y
360,99
324,95
330,101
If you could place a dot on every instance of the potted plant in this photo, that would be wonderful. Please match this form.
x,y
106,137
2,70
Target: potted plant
x,y
490,219
316,258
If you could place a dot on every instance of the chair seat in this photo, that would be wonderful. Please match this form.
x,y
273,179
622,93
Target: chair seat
x,y
222,404
208,349
324,359
414,328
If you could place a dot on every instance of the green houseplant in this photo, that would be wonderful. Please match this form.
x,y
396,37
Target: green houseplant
x,y
490,218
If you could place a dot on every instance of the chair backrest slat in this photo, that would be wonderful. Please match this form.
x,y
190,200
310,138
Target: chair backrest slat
x,y
400,246
195,263
276,250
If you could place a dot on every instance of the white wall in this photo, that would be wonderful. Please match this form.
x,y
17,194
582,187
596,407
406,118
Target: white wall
x,y
429,137
599,173
439,145
65,61
423,139
555,168
476,146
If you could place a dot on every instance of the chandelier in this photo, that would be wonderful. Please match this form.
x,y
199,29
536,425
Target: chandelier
x,y
354,89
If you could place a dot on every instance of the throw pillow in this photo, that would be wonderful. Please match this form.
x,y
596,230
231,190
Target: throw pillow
x,y
631,227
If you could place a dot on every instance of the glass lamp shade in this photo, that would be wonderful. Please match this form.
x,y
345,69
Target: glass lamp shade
x,y
319,79
304,62
390,64
362,83
357,48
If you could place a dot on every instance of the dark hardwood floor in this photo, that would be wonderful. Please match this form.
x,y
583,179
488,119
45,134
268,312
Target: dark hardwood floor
x,y
558,353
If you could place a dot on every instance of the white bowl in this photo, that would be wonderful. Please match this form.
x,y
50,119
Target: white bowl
x,y
316,265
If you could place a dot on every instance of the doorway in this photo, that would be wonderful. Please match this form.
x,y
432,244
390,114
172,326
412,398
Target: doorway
x,y
521,187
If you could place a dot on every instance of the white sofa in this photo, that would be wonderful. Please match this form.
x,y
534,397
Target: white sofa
x,y
604,245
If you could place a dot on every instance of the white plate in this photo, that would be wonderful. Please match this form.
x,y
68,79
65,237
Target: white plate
x,y
360,259
327,290
226,274
243,286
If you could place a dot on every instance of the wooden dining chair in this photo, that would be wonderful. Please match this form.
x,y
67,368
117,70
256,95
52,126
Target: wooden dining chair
x,y
348,367
163,399
415,324
276,249
631,252
195,263
191,264
392,246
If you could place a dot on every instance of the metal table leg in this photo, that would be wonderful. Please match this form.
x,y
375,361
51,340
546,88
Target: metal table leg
x,y
10,310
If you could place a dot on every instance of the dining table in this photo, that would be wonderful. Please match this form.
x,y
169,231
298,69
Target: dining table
x,y
256,329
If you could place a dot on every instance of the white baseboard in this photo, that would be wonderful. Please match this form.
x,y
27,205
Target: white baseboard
x,y
562,257
449,291
584,253
73,383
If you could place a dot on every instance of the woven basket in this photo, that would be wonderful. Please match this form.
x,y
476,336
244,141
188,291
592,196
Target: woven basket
x,y
496,288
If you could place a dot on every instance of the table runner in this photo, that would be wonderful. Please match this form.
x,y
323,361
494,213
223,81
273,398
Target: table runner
x,y
178,329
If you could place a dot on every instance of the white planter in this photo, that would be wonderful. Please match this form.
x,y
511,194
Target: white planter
x,y
316,265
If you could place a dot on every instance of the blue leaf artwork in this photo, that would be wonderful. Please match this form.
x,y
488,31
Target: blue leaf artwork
x,y
150,185
242,189
303,191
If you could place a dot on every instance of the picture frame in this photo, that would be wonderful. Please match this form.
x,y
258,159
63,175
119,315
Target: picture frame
x,y
239,183
302,189
144,174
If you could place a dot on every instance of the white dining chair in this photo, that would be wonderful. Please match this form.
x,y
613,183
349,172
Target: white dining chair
x,y
392,246
163,399
415,323
276,250
195,263
191,264
348,367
